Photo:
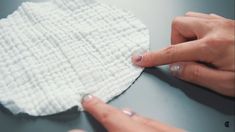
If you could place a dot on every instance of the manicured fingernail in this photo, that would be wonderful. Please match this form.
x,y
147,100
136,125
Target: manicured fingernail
x,y
76,130
128,112
175,69
137,58
87,98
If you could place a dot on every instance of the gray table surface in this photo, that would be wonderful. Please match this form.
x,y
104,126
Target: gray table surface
x,y
156,94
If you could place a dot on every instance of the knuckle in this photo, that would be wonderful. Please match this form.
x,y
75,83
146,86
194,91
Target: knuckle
x,y
149,59
107,115
147,121
196,73
170,52
212,23
207,52
222,22
229,23
213,39
188,13
193,74
220,27
93,103
176,22
217,42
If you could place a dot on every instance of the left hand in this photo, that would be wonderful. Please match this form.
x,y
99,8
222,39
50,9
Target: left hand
x,y
115,120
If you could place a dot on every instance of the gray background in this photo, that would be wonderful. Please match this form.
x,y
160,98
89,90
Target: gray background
x,y
156,94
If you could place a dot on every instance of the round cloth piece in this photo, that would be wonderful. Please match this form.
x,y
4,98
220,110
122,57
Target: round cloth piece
x,y
53,53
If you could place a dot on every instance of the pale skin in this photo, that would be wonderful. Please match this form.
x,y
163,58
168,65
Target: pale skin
x,y
195,38
114,120
201,52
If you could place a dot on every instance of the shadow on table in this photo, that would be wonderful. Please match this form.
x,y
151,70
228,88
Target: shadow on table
x,y
68,115
198,93
96,126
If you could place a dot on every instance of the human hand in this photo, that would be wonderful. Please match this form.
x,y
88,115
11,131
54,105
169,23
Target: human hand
x,y
115,120
197,38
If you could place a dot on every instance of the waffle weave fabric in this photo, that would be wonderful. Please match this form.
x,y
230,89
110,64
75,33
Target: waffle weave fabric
x,y
53,53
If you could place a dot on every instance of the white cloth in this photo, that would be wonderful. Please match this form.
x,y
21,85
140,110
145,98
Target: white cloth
x,y
52,53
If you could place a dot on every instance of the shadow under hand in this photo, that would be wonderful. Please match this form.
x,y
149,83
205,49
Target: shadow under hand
x,y
202,95
96,126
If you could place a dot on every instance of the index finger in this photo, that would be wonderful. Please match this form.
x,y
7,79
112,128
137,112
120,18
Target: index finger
x,y
107,115
188,51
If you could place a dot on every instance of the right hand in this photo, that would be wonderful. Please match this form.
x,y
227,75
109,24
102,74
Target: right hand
x,y
115,120
196,38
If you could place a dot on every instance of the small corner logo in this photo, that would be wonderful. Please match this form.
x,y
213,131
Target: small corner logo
x,y
226,123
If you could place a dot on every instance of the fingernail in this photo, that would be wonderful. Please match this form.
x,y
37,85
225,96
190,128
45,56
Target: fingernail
x,y
87,98
128,112
137,58
76,130
175,69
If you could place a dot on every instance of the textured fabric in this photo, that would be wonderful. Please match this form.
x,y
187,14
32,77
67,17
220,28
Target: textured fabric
x,y
52,53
